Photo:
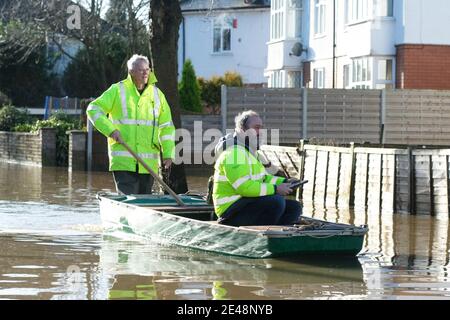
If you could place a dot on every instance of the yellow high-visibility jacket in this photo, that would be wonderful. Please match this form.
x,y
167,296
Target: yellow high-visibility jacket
x,y
144,121
240,174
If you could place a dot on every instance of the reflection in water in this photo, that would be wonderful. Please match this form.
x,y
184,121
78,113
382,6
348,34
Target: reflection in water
x,y
52,247
403,256
177,273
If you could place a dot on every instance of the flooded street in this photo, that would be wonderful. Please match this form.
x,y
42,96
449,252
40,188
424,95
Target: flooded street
x,y
52,247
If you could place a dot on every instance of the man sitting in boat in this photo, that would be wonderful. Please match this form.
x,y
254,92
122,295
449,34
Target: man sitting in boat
x,y
244,193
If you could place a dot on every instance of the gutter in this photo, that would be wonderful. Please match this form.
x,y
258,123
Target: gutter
x,y
223,9
334,44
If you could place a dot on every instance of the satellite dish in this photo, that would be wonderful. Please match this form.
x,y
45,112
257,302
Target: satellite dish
x,y
297,49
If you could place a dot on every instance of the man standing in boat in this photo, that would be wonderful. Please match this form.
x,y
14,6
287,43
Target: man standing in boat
x,y
136,112
243,192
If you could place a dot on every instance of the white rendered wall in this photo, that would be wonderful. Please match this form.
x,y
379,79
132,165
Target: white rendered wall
x,y
422,21
248,54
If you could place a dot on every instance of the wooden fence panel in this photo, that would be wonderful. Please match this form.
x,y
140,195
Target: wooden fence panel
x,y
345,179
388,183
280,109
385,180
422,164
417,117
320,184
334,162
402,184
310,175
414,117
344,116
374,182
361,176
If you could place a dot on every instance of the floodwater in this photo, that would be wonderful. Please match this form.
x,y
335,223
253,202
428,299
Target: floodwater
x,y
52,247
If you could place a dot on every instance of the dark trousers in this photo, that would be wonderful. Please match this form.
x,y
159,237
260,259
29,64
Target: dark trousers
x,y
128,182
267,210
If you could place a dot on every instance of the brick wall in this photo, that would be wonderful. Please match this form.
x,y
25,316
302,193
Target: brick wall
x,y
29,148
423,67
100,159
77,150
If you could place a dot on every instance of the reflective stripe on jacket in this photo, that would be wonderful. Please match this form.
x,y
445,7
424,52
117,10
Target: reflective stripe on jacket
x,y
239,174
144,121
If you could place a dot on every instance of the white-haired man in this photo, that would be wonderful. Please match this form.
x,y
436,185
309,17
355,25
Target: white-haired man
x,y
136,112
243,192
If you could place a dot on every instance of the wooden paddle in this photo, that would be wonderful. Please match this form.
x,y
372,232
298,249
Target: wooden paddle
x,y
157,178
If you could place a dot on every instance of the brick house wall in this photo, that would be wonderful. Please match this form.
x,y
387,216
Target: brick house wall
x,y
423,67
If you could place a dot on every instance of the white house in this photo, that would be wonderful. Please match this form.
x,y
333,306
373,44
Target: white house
x,y
225,35
359,44
61,60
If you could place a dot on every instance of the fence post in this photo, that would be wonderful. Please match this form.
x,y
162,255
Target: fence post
x,y
301,167
382,116
411,183
223,107
305,113
352,173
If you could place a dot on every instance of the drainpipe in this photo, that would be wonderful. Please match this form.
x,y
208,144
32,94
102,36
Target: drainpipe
x,y
334,44
184,39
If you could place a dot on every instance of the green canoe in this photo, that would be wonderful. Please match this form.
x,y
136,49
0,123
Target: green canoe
x,y
158,218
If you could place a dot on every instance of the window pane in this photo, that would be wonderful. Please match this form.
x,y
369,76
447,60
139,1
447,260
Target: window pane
x,y
271,26
322,19
294,79
226,40
358,70
364,70
385,69
389,69
316,16
298,23
346,76
385,8
216,42
382,70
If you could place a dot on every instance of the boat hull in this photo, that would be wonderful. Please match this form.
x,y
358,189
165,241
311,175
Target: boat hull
x,y
146,221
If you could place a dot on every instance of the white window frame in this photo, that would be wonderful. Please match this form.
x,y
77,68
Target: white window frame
x,y
357,11
222,24
294,79
346,76
294,14
320,17
384,8
277,79
382,83
277,19
362,73
319,78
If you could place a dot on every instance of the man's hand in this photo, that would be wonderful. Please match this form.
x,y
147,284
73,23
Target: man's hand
x,y
116,136
284,189
167,163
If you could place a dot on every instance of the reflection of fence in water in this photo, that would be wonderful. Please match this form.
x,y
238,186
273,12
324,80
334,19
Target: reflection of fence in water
x,y
419,241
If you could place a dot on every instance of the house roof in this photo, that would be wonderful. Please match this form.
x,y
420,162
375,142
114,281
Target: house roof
x,y
205,5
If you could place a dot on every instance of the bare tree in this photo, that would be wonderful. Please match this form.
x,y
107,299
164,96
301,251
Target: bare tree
x,y
165,18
